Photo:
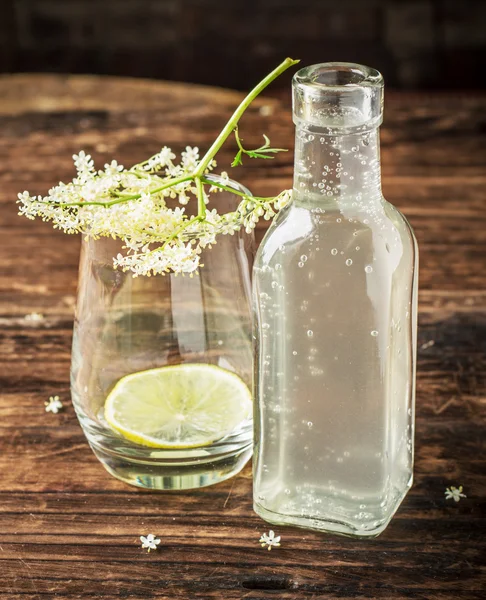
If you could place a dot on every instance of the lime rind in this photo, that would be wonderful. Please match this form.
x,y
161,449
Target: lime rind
x,y
182,406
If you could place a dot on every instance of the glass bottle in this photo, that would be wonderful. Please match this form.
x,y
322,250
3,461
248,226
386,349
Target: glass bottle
x,y
335,305
126,324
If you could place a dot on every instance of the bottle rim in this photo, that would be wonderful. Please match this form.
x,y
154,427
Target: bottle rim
x,y
338,75
338,98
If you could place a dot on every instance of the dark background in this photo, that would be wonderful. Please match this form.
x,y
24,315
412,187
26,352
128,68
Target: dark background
x,y
417,44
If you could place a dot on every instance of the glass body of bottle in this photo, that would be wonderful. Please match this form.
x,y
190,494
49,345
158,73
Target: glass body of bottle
x,y
335,303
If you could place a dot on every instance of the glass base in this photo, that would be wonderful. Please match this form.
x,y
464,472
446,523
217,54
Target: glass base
x,y
330,525
174,475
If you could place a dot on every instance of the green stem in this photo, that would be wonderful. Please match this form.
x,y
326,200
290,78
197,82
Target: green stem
x,y
104,204
122,199
180,229
238,141
231,124
169,184
227,188
201,204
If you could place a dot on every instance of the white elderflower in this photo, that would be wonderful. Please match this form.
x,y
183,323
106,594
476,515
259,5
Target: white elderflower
x,y
160,160
34,317
283,199
454,493
84,166
189,159
183,198
136,205
83,161
269,540
150,542
113,168
54,405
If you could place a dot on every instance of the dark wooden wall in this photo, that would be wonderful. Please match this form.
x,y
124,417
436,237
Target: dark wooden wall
x,y
428,44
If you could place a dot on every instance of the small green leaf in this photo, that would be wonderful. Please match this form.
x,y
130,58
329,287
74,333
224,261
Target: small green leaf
x,y
262,152
237,160
274,150
255,154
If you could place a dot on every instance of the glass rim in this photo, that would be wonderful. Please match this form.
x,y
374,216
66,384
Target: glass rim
x,y
231,183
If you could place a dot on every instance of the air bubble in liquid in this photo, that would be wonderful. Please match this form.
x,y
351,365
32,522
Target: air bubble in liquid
x,y
369,269
334,251
349,262
374,333
310,333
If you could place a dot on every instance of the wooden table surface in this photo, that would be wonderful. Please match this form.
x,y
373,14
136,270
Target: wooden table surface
x,y
68,529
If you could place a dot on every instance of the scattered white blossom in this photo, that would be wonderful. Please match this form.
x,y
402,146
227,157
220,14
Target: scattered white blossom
x,y
34,317
266,110
136,205
269,540
454,493
150,542
54,405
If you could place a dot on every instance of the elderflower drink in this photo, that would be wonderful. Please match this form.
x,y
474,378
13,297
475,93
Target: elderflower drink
x,y
335,293
161,365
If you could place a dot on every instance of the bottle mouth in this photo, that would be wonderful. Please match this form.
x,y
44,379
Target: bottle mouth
x,y
345,97
338,74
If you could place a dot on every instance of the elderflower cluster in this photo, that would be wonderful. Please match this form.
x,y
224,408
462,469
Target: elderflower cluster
x,y
146,207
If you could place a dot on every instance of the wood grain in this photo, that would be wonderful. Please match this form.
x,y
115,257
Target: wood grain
x,y
68,530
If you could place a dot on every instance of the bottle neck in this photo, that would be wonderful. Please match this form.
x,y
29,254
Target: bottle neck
x,y
339,170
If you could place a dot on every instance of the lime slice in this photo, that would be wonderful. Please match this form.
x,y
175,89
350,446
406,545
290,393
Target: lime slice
x,y
183,406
